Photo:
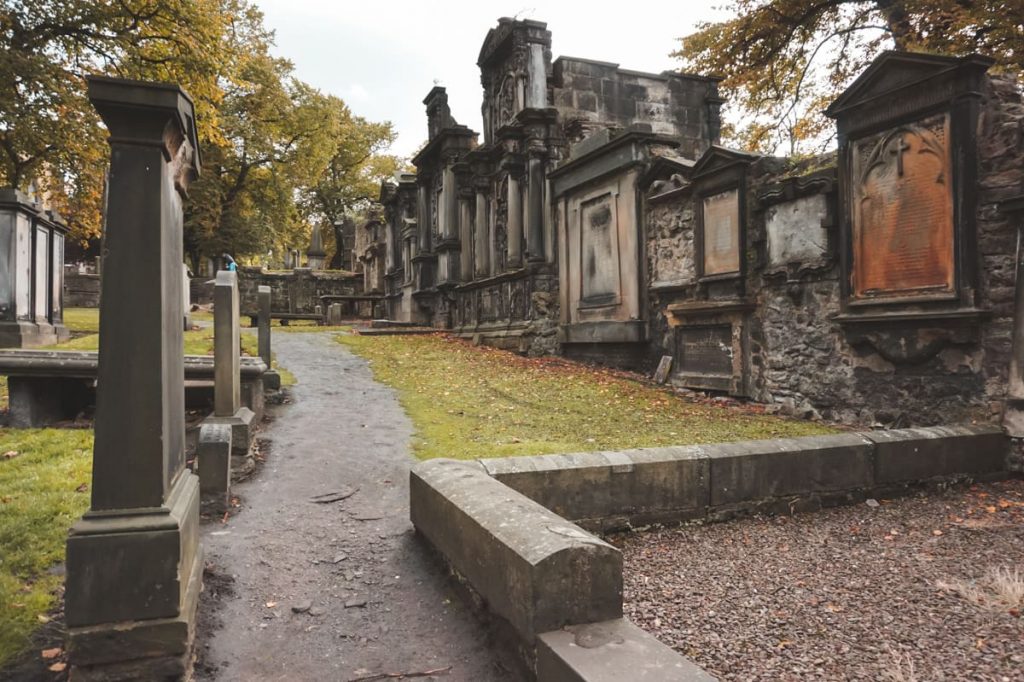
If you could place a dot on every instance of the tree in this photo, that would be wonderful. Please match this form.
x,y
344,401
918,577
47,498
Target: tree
x,y
351,180
50,137
783,61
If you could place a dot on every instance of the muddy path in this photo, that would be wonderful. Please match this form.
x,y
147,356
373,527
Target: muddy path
x,y
301,590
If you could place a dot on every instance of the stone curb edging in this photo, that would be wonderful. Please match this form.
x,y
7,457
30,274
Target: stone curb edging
x,y
502,525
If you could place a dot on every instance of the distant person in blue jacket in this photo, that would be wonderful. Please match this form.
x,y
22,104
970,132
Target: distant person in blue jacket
x,y
232,265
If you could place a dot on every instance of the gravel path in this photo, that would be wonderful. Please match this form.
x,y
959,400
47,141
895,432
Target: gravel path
x,y
371,599
855,593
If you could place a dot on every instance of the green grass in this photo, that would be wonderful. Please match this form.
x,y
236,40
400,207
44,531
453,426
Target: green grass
x,y
469,402
82,320
197,342
39,500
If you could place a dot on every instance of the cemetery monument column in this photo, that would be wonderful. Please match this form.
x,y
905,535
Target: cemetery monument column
x,y
134,564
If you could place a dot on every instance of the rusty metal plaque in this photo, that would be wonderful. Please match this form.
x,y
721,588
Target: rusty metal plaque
x,y
721,233
706,350
903,212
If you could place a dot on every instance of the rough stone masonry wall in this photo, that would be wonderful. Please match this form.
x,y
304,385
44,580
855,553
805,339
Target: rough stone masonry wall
x,y
802,362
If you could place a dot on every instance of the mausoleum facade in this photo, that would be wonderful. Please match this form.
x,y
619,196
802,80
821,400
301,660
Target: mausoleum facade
x,y
598,216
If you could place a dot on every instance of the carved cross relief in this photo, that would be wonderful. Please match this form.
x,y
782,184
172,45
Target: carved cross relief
x,y
903,212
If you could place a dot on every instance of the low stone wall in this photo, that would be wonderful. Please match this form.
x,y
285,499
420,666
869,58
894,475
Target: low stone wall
x,y
501,524
617,490
81,290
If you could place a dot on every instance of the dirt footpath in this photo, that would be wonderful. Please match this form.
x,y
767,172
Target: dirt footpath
x,y
336,590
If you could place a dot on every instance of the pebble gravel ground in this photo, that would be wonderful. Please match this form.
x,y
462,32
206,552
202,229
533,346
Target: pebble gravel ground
x,y
923,588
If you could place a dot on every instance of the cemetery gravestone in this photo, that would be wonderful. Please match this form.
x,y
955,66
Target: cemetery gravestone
x,y
134,562
227,408
271,379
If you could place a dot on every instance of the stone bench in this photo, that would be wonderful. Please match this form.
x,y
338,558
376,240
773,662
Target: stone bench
x,y
285,318
45,387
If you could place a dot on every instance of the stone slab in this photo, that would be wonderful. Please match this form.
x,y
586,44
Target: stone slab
x,y
271,380
611,651
763,469
939,451
534,569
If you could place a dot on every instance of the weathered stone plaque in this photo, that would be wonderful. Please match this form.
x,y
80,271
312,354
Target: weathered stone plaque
x,y
600,264
795,232
721,233
706,350
903,212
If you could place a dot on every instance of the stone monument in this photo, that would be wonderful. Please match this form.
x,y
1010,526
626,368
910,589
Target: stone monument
x,y
134,562
227,407
271,379
31,273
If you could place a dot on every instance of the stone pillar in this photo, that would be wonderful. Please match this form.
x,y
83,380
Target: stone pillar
x,y
515,223
535,210
134,562
423,218
536,69
271,379
466,238
227,401
482,238
448,210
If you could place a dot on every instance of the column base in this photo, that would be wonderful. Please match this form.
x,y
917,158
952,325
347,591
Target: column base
x,y
25,334
133,584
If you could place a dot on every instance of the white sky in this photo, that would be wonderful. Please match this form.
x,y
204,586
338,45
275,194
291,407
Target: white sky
x,y
383,57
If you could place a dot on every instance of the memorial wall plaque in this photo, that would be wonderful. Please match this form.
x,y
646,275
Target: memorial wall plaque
x,y
903,212
600,265
721,219
706,350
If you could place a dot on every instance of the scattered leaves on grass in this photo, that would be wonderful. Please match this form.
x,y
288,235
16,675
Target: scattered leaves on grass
x,y
473,401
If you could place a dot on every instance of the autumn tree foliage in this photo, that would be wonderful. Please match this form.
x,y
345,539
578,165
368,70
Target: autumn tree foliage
x,y
783,61
267,138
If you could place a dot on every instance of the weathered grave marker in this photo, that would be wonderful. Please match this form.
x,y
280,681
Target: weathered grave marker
x,y
664,367
271,379
227,407
134,564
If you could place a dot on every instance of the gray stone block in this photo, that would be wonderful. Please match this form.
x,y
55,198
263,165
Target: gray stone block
x,y
214,457
612,489
611,651
906,455
134,567
533,568
272,380
165,641
759,470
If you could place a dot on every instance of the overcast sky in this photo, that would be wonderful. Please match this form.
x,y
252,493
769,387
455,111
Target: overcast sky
x,y
383,57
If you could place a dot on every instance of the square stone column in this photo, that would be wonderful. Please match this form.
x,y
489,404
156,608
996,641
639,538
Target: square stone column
x,y
271,379
481,237
515,223
134,563
227,403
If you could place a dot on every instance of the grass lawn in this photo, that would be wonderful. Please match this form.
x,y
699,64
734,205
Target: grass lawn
x,y
469,402
44,477
197,342
82,320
